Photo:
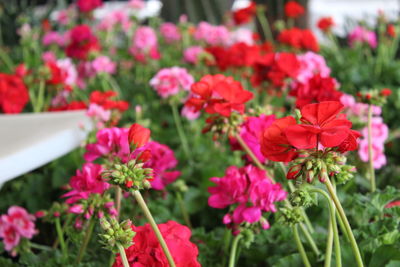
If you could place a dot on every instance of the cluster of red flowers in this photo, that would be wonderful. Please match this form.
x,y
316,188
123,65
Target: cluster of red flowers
x,y
238,55
293,9
218,94
325,24
317,89
104,100
244,15
276,68
321,124
57,75
82,42
299,39
13,93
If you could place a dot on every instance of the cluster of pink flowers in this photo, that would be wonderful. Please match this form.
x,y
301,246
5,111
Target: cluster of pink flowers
x,y
211,34
242,35
103,64
362,35
311,64
162,159
169,81
98,114
380,130
14,225
114,18
251,132
251,190
144,44
191,54
170,32
111,143
53,37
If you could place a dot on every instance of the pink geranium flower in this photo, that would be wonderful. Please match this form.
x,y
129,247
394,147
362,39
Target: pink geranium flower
x,y
170,32
378,156
103,64
362,35
144,44
169,81
212,35
191,54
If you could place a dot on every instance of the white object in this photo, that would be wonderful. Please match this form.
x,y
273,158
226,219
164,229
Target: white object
x,y
28,141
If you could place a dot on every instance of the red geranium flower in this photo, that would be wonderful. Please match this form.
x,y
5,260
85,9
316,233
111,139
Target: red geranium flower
x,y
57,75
82,42
391,30
218,94
103,99
138,135
13,93
325,24
321,124
88,5
244,15
274,143
73,105
293,9
299,39
146,250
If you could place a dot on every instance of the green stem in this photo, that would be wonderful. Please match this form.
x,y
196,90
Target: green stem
x,y
154,226
38,107
118,195
123,255
60,235
265,25
370,151
86,240
184,211
333,234
342,214
181,132
41,247
300,247
309,239
226,241
7,60
250,153
234,248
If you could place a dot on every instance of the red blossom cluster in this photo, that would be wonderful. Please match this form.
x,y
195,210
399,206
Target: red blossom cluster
x,y
88,5
13,93
299,39
325,24
238,55
104,100
276,68
57,75
82,42
293,9
218,94
317,89
244,15
321,126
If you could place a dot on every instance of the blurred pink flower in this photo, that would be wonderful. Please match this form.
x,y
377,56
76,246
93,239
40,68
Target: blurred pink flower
x,y
252,130
103,64
191,54
53,37
378,157
170,32
99,114
86,182
49,56
242,35
380,131
212,35
311,64
137,4
114,18
190,113
144,44
362,35
69,68
169,81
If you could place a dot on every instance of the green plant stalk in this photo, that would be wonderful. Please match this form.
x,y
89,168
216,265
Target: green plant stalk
x,y
38,103
300,247
181,132
226,241
342,214
287,203
86,240
370,152
154,226
41,247
60,235
265,25
123,255
234,249
184,211
6,60
333,234
118,195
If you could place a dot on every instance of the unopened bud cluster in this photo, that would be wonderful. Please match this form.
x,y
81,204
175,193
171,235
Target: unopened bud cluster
x,y
221,126
129,176
116,233
302,198
321,165
291,216
375,96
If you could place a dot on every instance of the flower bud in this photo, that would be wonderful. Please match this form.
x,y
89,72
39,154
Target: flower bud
x,y
138,136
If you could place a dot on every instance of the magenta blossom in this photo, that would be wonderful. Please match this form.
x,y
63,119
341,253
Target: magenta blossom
x,y
169,81
144,44
86,182
212,35
250,189
53,37
191,54
251,133
162,160
362,35
170,32
103,64
15,224
111,142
